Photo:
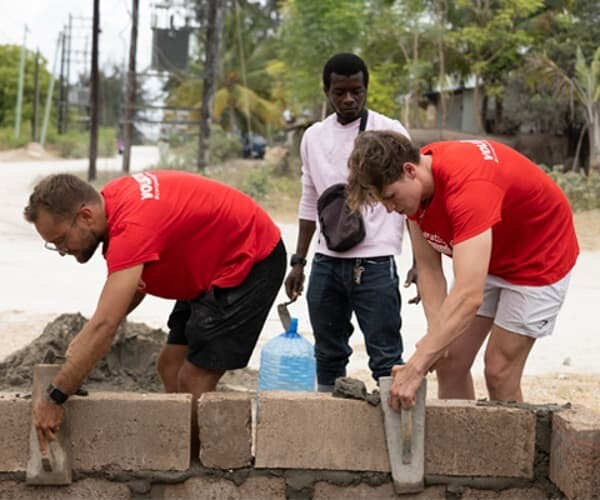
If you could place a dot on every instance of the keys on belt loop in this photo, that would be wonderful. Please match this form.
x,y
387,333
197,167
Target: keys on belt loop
x,y
357,271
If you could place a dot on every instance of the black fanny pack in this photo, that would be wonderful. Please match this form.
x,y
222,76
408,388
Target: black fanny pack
x,y
342,228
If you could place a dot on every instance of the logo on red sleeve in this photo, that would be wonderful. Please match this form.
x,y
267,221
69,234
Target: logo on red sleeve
x,y
485,148
149,186
439,244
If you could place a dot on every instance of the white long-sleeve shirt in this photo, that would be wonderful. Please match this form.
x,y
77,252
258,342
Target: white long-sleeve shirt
x,y
325,149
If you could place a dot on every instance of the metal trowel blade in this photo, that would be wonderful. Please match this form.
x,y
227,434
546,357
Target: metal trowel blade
x,y
284,314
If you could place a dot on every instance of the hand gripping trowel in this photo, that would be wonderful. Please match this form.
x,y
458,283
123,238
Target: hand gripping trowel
x,y
54,466
405,439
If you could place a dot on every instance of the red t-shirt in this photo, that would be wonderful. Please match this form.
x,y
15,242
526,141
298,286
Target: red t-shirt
x,y
484,184
191,233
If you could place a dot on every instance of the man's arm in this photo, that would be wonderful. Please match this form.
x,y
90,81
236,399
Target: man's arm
x,y
470,263
96,336
294,283
93,341
432,282
137,299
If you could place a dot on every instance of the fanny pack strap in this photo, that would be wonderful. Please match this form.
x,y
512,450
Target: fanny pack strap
x,y
363,120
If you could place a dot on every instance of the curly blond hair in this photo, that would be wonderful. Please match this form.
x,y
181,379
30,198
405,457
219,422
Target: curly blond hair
x,y
376,161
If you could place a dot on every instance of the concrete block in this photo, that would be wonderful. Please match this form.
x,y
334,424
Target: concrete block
x,y
318,431
225,430
15,419
327,491
199,488
98,489
130,431
462,439
508,494
575,452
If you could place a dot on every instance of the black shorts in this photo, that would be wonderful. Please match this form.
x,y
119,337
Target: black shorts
x,y
221,327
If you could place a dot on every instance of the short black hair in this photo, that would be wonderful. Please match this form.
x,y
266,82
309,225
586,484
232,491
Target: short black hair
x,y
346,64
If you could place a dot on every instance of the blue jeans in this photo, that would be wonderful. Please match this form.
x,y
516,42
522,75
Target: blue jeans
x,y
332,296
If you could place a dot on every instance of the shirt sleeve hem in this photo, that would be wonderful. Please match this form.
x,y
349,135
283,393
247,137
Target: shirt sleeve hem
x,y
126,265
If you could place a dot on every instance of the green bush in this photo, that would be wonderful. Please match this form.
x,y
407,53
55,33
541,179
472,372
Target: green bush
x,y
183,154
75,144
257,184
7,137
583,191
223,146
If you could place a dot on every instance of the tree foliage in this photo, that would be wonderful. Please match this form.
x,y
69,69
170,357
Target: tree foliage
x,y
312,31
10,57
273,54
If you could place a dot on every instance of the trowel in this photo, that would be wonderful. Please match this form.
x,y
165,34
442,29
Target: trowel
x,y
284,315
54,466
405,439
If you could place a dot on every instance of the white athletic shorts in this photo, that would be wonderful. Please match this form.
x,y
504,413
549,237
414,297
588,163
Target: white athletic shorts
x,y
527,310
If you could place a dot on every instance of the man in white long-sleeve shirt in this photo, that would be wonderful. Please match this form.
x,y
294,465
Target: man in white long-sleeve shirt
x,y
362,279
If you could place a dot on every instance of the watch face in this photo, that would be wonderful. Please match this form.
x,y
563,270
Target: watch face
x,y
57,395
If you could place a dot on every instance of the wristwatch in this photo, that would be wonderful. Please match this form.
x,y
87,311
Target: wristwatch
x,y
297,260
55,395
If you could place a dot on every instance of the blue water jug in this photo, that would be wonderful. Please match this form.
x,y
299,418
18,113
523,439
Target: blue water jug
x,y
287,363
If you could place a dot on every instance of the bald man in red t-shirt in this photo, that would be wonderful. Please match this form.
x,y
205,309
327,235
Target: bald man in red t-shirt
x,y
509,231
173,235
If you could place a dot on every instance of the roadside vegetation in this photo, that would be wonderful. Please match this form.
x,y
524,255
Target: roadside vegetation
x,y
527,68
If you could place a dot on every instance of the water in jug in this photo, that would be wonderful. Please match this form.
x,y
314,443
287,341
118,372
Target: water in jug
x,y
287,363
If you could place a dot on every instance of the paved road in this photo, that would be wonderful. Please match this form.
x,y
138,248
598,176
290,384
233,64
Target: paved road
x,y
37,284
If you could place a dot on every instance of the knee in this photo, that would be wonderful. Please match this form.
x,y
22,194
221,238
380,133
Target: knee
x,y
496,373
167,370
452,366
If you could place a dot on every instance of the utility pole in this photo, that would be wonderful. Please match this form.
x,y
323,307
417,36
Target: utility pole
x,y
214,29
50,91
68,71
60,108
94,94
36,99
130,90
20,91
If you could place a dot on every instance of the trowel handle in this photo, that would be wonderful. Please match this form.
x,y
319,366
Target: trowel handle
x,y
406,428
46,457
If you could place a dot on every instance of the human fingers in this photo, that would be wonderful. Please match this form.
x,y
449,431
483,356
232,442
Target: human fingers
x,y
41,441
415,300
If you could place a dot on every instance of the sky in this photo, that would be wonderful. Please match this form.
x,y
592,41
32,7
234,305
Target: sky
x,y
46,18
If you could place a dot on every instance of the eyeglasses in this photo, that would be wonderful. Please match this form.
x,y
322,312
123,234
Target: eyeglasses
x,y
60,247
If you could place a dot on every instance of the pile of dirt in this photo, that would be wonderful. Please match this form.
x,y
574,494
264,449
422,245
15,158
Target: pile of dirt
x,y
130,365
31,152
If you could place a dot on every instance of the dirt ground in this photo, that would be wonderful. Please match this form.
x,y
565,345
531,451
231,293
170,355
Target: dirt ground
x,y
587,225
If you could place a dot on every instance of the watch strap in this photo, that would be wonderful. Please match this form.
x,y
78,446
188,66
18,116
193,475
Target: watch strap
x,y
55,395
297,260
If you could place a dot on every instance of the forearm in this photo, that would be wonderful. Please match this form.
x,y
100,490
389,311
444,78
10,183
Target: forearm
x,y
456,312
433,292
306,229
93,342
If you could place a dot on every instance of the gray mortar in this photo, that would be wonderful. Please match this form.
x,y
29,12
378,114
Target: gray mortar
x,y
351,388
139,488
130,364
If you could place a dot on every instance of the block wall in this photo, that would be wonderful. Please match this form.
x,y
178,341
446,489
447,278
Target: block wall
x,y
299,445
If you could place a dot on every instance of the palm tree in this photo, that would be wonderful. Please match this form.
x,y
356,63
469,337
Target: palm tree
x,y
242,100
584,86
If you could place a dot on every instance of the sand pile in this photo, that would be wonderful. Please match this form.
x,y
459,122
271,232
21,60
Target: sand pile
x,y
128,366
